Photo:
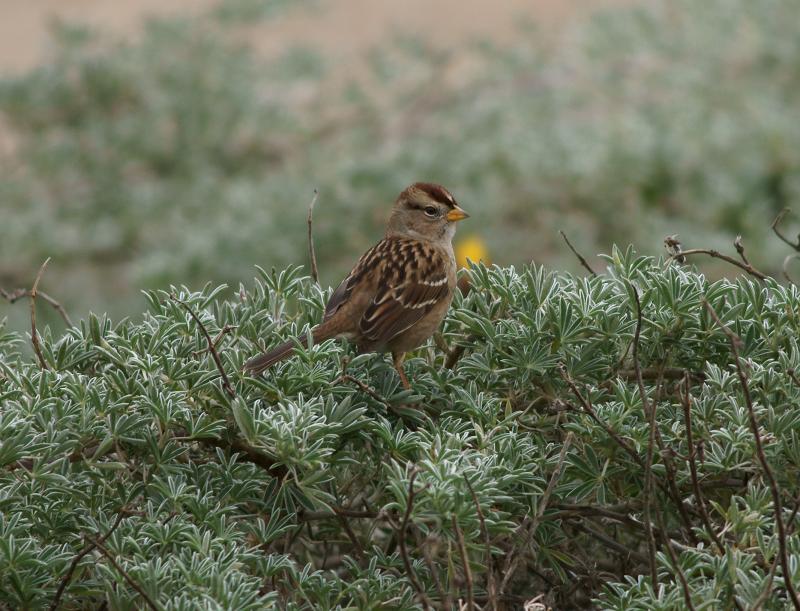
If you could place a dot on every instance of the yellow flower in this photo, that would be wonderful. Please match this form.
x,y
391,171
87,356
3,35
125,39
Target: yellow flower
x,y
471,248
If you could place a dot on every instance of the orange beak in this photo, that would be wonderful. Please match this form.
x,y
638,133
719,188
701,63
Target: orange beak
x,y
456,214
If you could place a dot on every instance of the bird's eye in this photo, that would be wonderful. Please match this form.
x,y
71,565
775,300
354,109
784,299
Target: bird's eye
x,y
430,211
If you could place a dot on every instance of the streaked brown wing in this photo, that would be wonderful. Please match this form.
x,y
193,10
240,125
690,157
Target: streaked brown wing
x,y
368,261
413,279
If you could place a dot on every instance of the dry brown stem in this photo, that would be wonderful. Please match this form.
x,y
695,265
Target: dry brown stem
x,y
582,260
226,384
311,253
735,341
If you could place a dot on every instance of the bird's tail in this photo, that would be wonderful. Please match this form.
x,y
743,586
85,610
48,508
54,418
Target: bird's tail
x,y
265,360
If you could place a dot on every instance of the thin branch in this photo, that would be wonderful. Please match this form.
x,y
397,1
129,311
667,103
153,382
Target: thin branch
x,y
357,547
618,513
401,536
346,377
587,407
672,475
776,222
462,550
758,605
226,384
551,485
250,453
698,493
14,296
650,414
718,255
735,340
687,594
220,336
311,253
80,555
491,584
37,347
583,261
785,267
124,573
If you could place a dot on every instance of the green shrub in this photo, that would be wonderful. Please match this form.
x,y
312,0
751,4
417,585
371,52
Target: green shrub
x,y
293,491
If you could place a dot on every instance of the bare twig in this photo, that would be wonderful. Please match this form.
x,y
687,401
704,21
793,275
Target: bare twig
x,y
80,555
758,604
672,476
698,493
102,549
587,407
357,547
687,594
346,377
226,384
551,484
650,414
491,584
311,253
776,222
583,261
401,539
735,340
718,255
16,295
37,347
785,267
618,513
222,333
462,550
250,453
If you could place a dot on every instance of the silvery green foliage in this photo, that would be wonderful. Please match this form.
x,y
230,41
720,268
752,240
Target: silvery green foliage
x,y
132,416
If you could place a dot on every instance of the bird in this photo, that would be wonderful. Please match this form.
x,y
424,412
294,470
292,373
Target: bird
x,y
400,290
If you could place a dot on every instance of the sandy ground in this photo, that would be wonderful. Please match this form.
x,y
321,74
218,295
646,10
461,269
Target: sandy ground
x,y
342,29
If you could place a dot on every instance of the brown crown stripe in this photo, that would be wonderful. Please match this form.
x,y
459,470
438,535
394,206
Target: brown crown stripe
x,y
436,192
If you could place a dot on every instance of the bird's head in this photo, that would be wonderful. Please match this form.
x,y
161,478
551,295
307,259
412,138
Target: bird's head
x,y
425,211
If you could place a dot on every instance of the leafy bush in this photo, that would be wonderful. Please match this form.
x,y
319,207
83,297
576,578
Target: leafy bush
x,y
183,157
527,457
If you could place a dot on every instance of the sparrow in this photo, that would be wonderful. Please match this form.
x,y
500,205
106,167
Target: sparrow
x,y
399,291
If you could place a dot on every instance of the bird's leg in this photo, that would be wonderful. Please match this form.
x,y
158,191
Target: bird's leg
x,y
397,359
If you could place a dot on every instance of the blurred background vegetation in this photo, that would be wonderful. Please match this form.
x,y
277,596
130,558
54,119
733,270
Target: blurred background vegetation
x,y
189,151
